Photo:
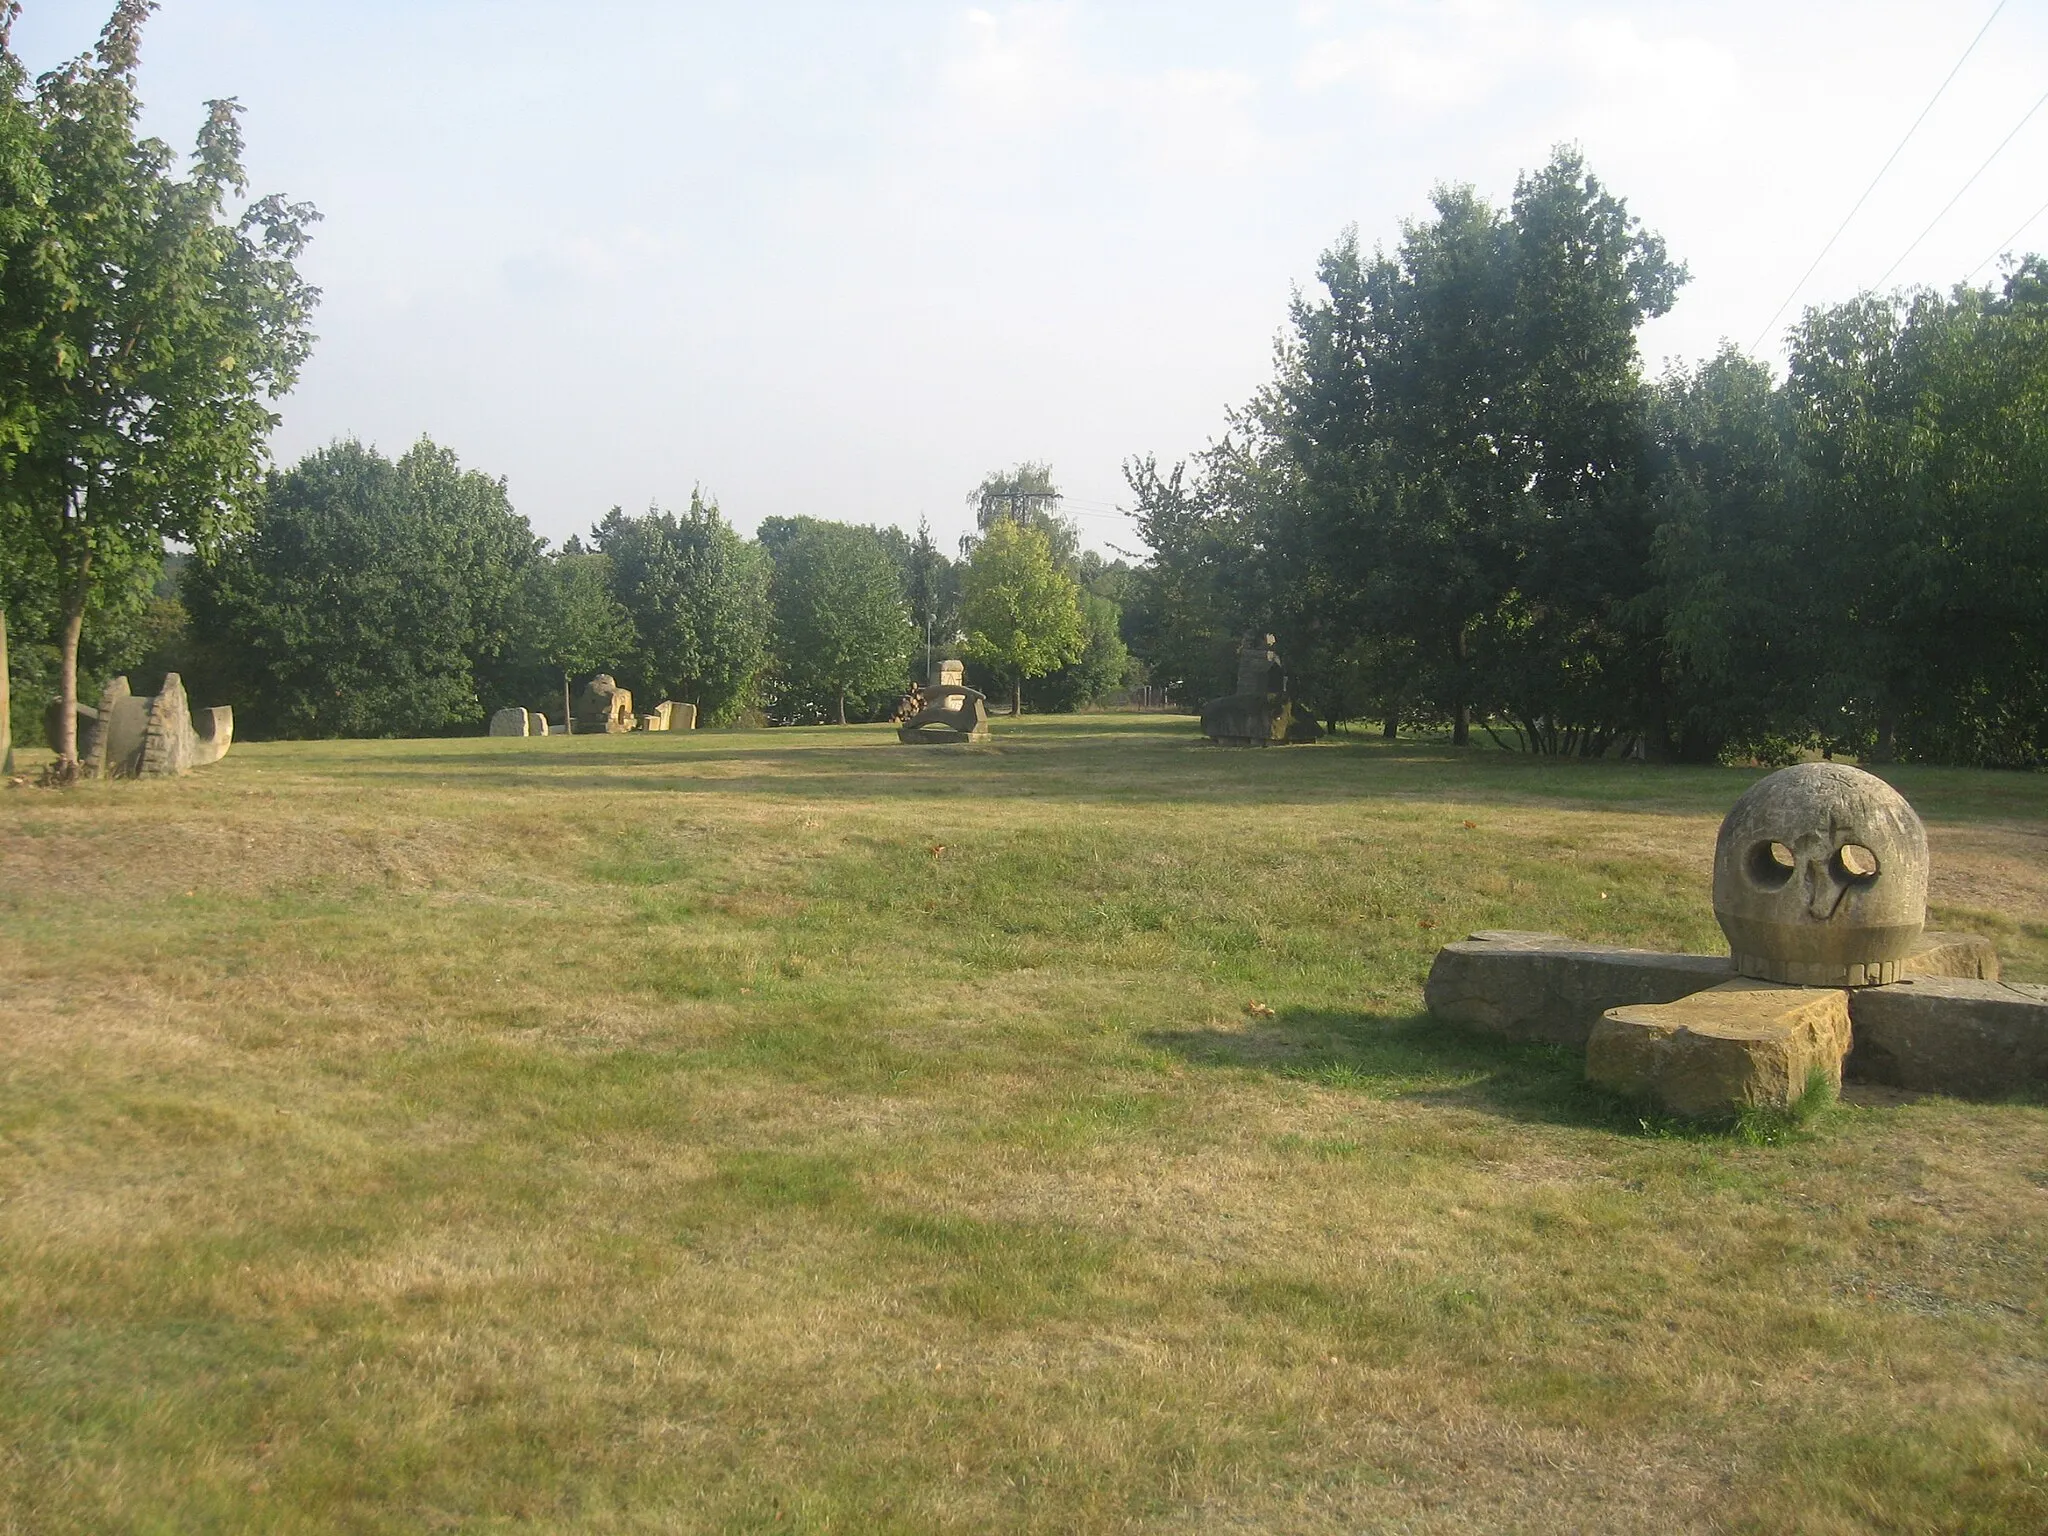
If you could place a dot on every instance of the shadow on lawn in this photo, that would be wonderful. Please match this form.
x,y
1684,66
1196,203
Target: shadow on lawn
x,y
1412,1057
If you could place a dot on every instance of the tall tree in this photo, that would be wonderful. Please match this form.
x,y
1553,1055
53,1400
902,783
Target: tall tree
x,y
932,584
367,596
565,624
697,594
842,626
1021,611
144,328
1026,495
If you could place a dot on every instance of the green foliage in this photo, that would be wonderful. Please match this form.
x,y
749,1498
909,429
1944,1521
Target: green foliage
x,y
1021,611
144,326
842,625
1028,496
564,623
1104,662
697,596
368,596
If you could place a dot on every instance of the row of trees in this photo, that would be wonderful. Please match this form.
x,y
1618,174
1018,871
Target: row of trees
x,y
1460,502
369,596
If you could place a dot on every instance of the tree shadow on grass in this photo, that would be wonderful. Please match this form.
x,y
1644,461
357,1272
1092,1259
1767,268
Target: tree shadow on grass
x,y
1414,1058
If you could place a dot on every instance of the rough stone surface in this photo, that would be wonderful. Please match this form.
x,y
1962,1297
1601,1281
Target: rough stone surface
x,y
213,732
682,717
1543,986
167,737
537,723
658,718
1259,714
1743,1044
510,722
1820,878
603,707
145,737
1944,1034
1966,955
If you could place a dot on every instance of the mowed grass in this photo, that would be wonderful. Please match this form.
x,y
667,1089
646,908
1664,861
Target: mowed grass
x,y
795,1132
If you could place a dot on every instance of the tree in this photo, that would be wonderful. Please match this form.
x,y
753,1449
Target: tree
x,y
1022,613
697,595
842,626
143,333
932,584
367,596
1026,495
565,624
1102,664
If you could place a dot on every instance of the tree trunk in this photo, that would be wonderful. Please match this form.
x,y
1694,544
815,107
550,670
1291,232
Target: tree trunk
x,y
1390,728
66,769
842,706
568,720
1017,699
1461,718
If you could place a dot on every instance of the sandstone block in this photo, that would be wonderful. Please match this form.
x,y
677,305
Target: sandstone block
x,y
1743,1043
1966,955
683,717
1943,1034
1543,986
509,722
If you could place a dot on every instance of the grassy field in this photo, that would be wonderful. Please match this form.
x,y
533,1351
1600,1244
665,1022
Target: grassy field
x,y
795,1132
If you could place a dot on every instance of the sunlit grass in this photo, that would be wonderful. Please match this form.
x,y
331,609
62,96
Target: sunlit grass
x,y
791,1132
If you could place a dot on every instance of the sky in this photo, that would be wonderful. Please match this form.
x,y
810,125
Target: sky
x,y
841,259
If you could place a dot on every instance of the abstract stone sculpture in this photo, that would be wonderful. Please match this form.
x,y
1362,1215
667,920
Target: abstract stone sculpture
x,y
657,718
950,712
1260,713
603,708
135,737
1820,875
1820,878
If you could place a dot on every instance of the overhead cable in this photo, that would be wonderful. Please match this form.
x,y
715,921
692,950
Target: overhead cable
x,y
2007,243
1823,256
2016,127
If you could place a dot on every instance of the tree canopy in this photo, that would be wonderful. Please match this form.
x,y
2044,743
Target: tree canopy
x,y
144,324
1021,611
842,625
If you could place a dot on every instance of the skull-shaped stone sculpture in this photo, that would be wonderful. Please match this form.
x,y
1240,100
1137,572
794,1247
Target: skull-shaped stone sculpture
x,y
1820,878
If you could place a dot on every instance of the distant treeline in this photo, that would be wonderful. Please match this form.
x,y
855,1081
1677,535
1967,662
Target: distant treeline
x,y
376,597
1459,503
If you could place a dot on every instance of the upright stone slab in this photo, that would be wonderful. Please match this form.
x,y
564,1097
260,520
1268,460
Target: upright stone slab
x,y
1543,986
1944,1034
682,717
536,723
658,718
510,722
1744,1044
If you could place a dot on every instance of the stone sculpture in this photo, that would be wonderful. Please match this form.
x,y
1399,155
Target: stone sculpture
x,y
1820,882
1820,878
134,737
949,711
1260,713
603,708
512,722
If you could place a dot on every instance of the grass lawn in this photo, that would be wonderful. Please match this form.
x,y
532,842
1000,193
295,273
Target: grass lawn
x,y
798,1132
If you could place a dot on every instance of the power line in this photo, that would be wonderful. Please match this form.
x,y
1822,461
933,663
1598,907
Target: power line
x,y
2016,127
1823,256
2007,243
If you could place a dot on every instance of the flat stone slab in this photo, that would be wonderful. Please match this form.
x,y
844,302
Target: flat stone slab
x,y
1955,1035
1544,986
1967,955
1743,1044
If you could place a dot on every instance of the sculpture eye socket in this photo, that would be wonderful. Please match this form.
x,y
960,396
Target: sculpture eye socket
x,y
1854,862
1771,864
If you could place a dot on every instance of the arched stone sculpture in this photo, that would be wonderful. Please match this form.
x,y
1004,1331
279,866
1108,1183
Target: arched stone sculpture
x,y
132,736
949,711
1820,878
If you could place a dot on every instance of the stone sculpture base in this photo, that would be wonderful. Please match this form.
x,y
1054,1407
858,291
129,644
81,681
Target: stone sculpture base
x,y
1544,986
1743,1044
1943,1034
1256,720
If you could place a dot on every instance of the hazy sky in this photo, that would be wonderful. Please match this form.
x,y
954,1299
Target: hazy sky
x,y
840,259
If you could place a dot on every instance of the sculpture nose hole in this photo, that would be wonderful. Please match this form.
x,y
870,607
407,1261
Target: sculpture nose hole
x,y
1855,864
1771,865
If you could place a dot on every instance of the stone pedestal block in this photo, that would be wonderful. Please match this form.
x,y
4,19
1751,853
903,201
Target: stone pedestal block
x,y
1543,986
1742,1044
1941,1034
1966,955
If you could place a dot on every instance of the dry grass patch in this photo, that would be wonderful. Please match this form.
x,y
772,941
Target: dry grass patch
x,y
792,1133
